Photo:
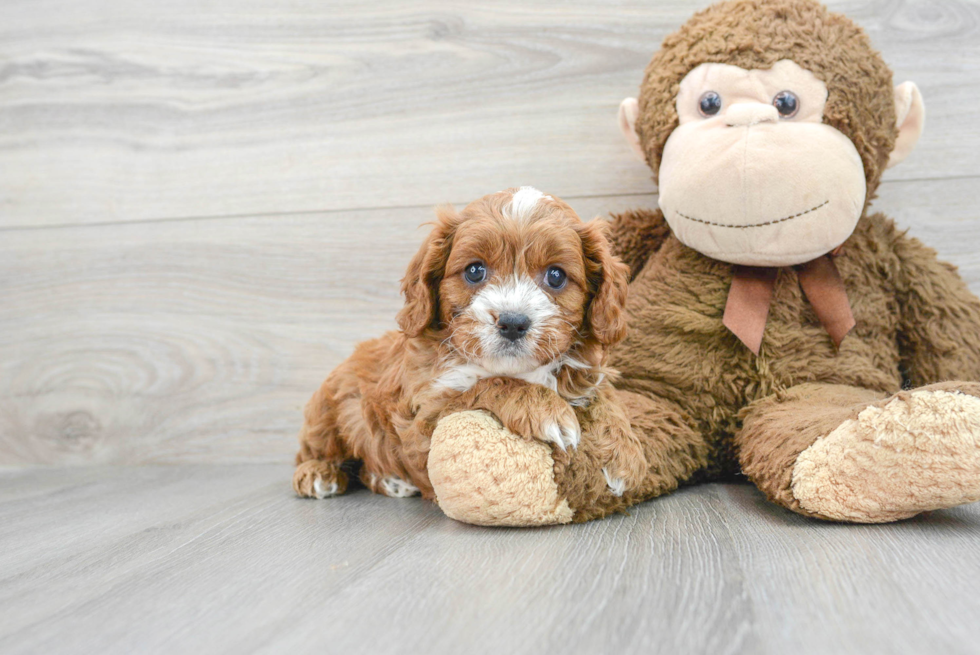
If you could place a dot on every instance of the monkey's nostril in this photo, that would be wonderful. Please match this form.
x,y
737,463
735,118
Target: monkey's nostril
x,y
513,326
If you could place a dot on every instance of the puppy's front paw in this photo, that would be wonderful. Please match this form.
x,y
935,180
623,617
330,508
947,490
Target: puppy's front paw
x,y
318,479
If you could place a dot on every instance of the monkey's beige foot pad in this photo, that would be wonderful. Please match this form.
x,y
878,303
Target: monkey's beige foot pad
x,y
919,451
485,475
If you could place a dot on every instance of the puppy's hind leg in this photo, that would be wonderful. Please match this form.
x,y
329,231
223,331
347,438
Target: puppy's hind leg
x,y
322,449
316,478
389,485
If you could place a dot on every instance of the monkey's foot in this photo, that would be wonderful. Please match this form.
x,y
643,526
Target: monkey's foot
x,y
485,475
918,451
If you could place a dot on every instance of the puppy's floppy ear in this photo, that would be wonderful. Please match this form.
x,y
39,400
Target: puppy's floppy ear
x,y
420,286
608,282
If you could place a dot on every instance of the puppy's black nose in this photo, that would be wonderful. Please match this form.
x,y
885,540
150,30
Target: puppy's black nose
x,y
513,326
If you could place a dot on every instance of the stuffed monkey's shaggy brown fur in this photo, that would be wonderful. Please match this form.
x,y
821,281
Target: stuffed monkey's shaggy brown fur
x,y
703,404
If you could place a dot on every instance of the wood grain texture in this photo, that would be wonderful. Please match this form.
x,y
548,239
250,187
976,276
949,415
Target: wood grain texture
x,y
204,206
200,340
225,559
188,340
114,111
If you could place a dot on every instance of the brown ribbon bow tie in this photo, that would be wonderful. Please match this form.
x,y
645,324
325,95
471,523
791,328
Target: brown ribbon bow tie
x,y
751,292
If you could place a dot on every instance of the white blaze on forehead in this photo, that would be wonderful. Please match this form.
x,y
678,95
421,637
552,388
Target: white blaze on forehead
x,y
524,201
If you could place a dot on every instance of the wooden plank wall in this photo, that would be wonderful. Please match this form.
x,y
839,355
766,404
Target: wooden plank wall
x,y
203,206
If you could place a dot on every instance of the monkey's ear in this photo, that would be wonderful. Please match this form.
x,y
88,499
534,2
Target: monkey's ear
x,y
629,110
911,118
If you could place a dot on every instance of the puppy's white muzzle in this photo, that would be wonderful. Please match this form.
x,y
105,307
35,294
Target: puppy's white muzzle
x,y
513,298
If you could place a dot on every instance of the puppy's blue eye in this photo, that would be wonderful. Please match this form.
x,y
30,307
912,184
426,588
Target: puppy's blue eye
x,y
555,278
475,273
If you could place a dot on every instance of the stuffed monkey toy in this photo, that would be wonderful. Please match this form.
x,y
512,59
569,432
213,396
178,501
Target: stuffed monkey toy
x,y
778,328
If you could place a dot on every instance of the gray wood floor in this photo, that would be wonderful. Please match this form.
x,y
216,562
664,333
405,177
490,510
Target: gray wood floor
x,y
222,558
204,206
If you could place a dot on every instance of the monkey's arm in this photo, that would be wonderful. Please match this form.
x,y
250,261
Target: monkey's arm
x,y
636,234
939,337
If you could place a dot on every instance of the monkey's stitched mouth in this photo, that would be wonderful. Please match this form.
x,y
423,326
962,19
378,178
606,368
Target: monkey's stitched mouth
x,y
742,227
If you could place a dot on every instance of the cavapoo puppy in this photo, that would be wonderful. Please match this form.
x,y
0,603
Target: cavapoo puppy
x,y
510,306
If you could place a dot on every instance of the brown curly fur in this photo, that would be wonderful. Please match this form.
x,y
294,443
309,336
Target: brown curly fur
x,y
703,405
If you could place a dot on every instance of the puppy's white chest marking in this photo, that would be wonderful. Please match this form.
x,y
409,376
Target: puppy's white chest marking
x,y
543,375
462,377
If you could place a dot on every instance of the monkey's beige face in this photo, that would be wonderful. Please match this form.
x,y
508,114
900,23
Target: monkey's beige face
x,y
752,175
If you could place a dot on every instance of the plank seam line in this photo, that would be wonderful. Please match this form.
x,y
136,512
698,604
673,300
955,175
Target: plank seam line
x,y
308,212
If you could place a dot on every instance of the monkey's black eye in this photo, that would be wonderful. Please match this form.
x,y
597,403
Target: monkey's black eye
x,y
709,104
475,273
786,103
555,278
